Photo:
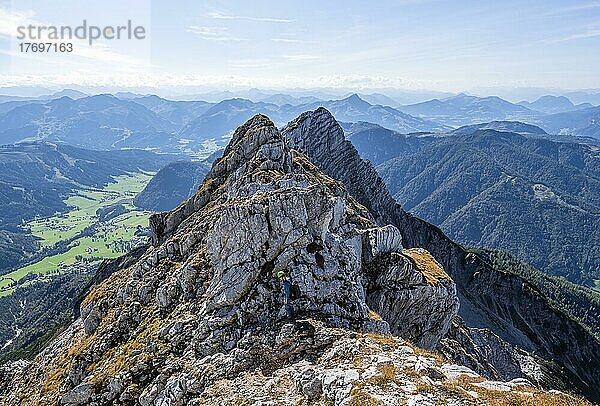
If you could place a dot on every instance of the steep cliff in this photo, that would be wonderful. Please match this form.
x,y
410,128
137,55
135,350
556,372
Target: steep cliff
x,y
517,317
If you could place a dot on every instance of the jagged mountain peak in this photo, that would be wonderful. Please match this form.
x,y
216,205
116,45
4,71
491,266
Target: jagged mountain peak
x,y
258,138
302,130
256,148
354,97
204,304
321,112
255,132
320,137
201,311
356,101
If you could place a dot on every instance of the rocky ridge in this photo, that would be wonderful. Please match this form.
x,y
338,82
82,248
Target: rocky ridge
x,y
502,318
207,286
199,317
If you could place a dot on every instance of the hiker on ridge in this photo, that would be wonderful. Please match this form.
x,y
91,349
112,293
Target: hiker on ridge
x,y
287,291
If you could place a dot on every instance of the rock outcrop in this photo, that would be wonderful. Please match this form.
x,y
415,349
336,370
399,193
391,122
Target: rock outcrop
x,y
513,313
203,306
415,304
199,317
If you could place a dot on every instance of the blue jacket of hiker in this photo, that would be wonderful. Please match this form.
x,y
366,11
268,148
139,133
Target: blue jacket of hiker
x,y
287,288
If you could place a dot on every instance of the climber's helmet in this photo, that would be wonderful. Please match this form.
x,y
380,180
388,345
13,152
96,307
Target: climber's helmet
x,y
280,274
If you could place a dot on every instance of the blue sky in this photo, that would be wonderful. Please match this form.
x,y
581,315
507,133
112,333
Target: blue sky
x,y
441,45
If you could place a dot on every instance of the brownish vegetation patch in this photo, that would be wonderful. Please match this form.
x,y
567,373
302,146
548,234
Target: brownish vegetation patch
x,y
382,339
528,397
106,287
361,398
121,358
427,265
374,316
56,376
387,376
427,354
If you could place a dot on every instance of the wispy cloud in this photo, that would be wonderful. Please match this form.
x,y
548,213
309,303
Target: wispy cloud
x,y
293,40
560,12
219,15
269,62
10,20
252,63
302,57
98,53
581,35
590,33
213,34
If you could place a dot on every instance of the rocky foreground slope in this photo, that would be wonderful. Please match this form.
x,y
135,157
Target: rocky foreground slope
x,y
199,317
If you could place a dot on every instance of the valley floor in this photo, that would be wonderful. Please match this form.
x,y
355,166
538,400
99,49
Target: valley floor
x,y
79,239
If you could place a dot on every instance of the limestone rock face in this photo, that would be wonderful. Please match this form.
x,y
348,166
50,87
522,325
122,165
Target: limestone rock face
x,y
418,306
482,350
514,314
383,240
203,304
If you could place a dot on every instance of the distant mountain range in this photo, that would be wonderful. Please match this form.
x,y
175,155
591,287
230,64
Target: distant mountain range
x,y
579,122
198,128
385,97
378,98
553,104
353,109
378,144
506,126
220,119
536,198
582,97
223,117
257,95
150,122
176,112
100,122
464,109
554,114
71,93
